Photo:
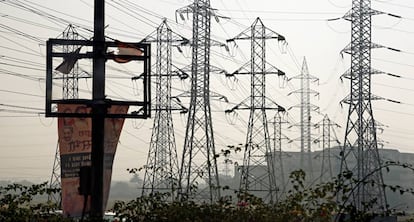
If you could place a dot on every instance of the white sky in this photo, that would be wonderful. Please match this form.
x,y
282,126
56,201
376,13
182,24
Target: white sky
x,y
29,140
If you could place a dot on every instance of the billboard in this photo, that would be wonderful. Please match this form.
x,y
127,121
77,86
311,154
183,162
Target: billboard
x,y
75,146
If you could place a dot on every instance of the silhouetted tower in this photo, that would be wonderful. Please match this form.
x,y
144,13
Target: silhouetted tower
x,y
161,170
257,172
70,90
380,130
360,148
277,149
55,181
227,166
71,80
328,136
199,165
306,118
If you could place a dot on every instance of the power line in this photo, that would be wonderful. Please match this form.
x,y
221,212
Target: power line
x,y
20,66
34,78
396,112
22,116
21,93
20,112
281,12
21,107
394,87
393,62
25,21
395,4
20,33
21,45
129,12
17,50
286,19
21,61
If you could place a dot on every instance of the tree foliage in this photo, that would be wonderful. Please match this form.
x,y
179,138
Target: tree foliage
x,y
324,202
16,203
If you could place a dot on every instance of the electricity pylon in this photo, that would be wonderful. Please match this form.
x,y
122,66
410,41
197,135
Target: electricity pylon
x,y
199,165
306,118
278,151
70,90
257,172
360,149
71,81
328,136
55,180
380,130
161,170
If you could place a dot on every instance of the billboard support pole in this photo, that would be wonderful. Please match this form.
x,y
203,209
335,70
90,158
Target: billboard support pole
x,y
98,110
99,103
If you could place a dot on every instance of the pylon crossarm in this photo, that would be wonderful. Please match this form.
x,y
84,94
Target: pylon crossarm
x,y
175,38
349,15
274,70
244,105
272,105
186,10
349,48
217,70
244,70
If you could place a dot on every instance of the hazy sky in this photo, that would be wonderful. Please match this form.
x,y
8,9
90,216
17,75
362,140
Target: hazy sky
x,y
29,140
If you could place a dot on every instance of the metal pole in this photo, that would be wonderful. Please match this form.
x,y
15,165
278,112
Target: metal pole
x,y
98,111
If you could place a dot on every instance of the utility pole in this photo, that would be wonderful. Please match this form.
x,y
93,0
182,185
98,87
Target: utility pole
x,y
162,170
360,149
199,164
99,110
258,153
306,118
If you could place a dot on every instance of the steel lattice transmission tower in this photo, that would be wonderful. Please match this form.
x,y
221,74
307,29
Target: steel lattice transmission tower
x,y
70,90
360,151
328,136
55,181
326,167
305,117
379,127
162,171
278,151
71,80
258,170
199,165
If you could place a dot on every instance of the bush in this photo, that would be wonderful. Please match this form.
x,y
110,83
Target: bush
x,y
319,203
16,203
